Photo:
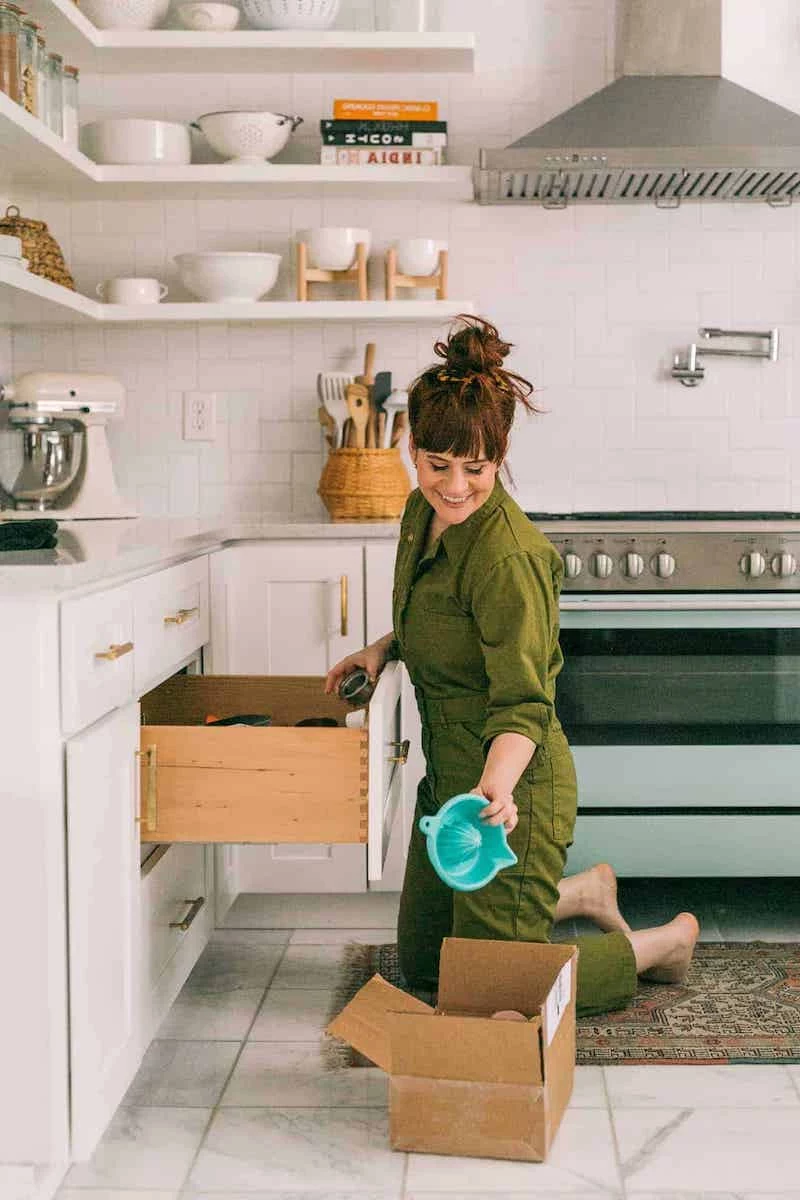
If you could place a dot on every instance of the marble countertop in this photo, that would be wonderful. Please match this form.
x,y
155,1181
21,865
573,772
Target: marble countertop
x,y
89,552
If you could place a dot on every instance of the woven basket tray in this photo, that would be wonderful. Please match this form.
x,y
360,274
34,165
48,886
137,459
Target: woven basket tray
x,y
364,485
39,247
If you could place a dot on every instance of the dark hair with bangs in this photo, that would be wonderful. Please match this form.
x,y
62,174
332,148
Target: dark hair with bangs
x,y
466,407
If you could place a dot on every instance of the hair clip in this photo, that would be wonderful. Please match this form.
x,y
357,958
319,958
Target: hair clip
x,y
445,378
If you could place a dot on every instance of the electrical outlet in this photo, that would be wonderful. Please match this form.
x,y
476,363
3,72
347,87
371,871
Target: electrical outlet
x,y
199,416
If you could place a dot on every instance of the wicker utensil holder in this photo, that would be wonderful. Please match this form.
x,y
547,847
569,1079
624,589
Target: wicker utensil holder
x,y
39,247
364,485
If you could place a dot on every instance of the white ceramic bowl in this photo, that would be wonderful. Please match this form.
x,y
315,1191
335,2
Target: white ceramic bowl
x,y
125,14
333,247
290,14
10,246
131,140
200,16
228,275
418,256
247,137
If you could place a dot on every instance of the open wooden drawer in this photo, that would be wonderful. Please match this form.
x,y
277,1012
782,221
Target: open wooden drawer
x,y
272,784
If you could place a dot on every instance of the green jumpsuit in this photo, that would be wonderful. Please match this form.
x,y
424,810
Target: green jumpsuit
x,y
476,622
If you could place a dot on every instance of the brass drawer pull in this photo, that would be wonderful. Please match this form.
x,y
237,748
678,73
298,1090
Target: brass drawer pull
x,y
115,651
151,806
194,909
181,616
343,602
402,757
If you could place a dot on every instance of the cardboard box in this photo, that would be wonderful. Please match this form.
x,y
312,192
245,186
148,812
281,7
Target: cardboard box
x,y
460,1082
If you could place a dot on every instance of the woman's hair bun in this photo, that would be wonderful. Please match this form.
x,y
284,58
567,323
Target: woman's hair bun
x,y
475,348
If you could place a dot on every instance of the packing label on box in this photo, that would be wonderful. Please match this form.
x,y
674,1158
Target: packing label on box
x,y
558,999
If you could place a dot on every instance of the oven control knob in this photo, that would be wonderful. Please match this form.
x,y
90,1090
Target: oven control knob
x,y
663,565
633,566
753,564
572,565
784,564
602,565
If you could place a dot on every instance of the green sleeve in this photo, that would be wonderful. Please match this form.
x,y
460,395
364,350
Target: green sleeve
x,y
515,607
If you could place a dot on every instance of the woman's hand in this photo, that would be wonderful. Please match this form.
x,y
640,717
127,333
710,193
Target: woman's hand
x,y
372,659
501,809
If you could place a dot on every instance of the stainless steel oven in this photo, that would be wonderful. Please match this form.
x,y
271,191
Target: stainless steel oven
x,y
680,692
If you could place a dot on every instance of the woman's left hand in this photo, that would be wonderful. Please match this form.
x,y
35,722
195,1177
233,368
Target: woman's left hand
x,y
501,809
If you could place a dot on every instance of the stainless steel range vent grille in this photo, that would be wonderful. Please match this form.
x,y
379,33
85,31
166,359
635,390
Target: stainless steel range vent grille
x,y
606,185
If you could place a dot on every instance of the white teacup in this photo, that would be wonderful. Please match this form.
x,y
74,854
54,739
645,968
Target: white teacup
x,y
131,291
418,256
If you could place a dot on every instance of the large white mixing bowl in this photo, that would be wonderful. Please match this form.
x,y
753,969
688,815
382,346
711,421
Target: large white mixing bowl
x,y
247,137
125,14
228,275
135,140
333,247
290,14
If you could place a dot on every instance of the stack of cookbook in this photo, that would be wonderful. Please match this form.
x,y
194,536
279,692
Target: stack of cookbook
x,y
384,133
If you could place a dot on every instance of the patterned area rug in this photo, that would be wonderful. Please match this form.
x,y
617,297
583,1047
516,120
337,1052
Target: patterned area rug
x,y
739,1004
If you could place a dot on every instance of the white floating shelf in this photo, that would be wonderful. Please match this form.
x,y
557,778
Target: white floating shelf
x,y
32,154
27,299
176,50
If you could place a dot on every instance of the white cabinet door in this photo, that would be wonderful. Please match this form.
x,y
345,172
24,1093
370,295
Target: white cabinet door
x,y
103,891
288,608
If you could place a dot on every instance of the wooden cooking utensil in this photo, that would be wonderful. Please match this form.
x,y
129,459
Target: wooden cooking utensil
x,y
357,395
367,378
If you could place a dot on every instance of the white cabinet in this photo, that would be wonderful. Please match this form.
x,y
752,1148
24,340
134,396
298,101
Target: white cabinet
x,y
103,893
96,656
288,608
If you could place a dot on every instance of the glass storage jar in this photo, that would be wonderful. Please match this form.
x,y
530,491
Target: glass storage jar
x,y
41,80
70,105
54,75
9,50
29,45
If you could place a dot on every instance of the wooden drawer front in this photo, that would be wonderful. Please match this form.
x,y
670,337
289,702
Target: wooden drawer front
x,y
97,653
167,894
245,784
170,618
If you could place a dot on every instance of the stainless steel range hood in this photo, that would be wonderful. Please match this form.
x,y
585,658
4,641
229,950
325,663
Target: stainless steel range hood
x,y
653,136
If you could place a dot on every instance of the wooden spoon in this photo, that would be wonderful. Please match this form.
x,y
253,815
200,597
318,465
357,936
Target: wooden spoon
x,y
357,395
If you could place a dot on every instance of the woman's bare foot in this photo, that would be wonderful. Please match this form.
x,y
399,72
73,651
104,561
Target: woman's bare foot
x,y
663,954
592,894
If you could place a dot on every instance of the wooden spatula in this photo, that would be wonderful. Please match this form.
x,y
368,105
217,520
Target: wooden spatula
x,y
357,395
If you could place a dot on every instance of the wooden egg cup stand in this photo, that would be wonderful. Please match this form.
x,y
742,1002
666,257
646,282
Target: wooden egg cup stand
x,y
307,274
395,280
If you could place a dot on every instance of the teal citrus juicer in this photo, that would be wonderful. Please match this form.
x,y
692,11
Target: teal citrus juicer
x,y
466,853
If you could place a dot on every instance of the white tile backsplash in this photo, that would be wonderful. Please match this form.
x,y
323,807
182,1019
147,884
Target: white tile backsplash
x,y
595,300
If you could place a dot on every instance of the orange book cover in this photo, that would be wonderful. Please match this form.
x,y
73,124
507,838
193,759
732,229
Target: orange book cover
x,y
386,110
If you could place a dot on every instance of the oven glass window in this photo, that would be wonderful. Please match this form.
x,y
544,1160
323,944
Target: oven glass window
x,y
680,686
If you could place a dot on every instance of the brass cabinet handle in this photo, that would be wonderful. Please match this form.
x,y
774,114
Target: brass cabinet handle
x,y
402,757
182,616
343,600
194,909
115,651
150,755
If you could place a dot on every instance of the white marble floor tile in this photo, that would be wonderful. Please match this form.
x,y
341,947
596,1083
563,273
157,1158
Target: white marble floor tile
x,y
748,1086
314,967
370,910
367,937
182,1074
211,1016
235,959
581,1160
393,1193
143,1148
293,1075
588,1090
112,1194
298,1150
292,1015
708,1149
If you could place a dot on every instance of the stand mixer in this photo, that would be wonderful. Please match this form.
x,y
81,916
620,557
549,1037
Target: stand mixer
x,y
66,467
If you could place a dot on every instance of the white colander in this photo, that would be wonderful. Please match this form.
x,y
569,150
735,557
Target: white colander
x,y
290,14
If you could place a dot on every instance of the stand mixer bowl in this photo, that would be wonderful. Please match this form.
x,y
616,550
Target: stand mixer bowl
x,y
52,456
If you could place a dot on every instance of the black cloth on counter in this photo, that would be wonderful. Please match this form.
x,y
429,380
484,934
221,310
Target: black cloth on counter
x,y
39,534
